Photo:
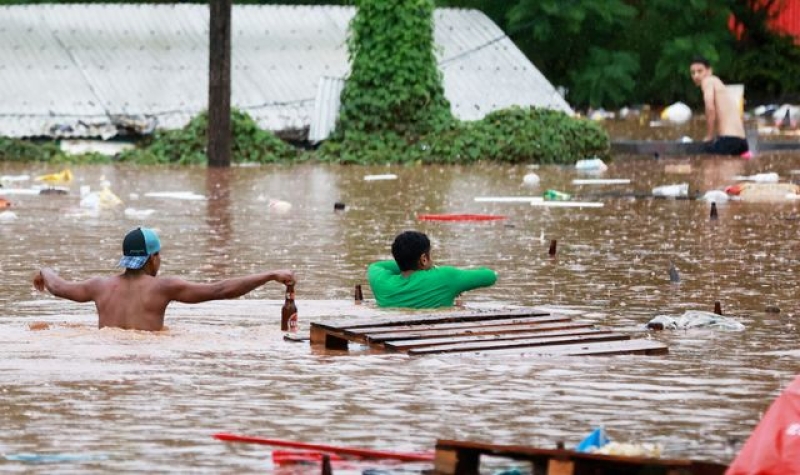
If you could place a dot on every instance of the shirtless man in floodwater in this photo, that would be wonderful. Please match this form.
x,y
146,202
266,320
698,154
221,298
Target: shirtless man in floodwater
x,y
137,299
724,127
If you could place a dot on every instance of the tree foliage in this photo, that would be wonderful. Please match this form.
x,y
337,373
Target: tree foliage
x,y
614,52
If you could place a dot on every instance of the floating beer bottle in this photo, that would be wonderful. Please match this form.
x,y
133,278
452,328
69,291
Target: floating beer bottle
x,y
359,294
289,311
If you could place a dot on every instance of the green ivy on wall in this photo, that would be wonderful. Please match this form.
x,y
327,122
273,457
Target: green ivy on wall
x,y
395,83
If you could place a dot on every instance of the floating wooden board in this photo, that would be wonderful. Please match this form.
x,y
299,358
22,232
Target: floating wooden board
x,y
463,458
530,331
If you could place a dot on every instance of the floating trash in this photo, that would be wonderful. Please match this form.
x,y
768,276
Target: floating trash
x,y
8,216
717,196
695,319
100,200
677,113
64,176
673,191
387,176
279,206
555,195
770,177
507,199
531,179
591,165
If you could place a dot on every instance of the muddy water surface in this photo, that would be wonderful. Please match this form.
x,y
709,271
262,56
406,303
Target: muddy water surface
x,y
138,402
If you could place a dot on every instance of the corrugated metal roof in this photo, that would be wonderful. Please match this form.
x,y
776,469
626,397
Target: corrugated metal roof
x,y
73,70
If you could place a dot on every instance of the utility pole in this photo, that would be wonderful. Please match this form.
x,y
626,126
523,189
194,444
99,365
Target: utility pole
x,y
219,84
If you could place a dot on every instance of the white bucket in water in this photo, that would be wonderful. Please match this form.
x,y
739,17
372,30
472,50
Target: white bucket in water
x,y
737,93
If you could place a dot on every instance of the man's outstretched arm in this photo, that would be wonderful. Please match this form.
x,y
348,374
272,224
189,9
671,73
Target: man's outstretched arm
x,y
190,292
82,291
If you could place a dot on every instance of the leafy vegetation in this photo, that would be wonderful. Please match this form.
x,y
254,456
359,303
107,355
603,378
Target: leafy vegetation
x,y
394,109
615,52
187,146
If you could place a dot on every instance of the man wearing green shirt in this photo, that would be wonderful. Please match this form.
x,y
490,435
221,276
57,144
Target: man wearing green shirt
x,y
412,281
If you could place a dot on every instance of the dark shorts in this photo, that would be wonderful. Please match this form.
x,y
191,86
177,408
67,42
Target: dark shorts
x,y
726,145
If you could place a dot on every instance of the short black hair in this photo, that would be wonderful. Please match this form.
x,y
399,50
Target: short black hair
x,y
408,247
700,59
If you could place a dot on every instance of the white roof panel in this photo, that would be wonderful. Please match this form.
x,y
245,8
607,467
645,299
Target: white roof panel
x,y
69,69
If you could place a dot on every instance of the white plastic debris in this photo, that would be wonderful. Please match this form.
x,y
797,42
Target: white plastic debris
x,y
673,191
696,319
387,176
677,113
716,196
279,206
531,179
102,147
770,177
100,200
507,199
8,179
7,216
591,165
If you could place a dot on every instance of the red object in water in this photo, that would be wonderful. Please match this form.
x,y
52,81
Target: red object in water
x,y
4,203
735,189
774,446
459,217
362,453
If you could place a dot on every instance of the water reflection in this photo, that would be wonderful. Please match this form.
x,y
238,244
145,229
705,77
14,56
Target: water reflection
x,y
218,217
151,402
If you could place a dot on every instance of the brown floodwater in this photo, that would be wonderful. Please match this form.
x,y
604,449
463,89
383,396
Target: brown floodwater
x,y
138,402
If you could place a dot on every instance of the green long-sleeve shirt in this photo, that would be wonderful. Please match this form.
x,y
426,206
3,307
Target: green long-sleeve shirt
x,y
432,288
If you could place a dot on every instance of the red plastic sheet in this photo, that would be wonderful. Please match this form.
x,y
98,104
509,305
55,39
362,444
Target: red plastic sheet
x,y
774,446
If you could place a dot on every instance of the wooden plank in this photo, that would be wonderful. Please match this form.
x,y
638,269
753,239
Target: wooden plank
x,y
329,339
440,317
404,345
629,347
584,462
444,328
528,342
477,331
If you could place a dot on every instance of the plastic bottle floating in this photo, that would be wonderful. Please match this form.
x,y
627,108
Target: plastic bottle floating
x,y
555,195
64,176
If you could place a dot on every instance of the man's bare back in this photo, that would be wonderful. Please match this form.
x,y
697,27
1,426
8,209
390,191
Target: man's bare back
x,y
728,119
137,299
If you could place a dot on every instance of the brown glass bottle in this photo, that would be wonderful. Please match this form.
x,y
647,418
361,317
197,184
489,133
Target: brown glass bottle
x,y
289,311
359,295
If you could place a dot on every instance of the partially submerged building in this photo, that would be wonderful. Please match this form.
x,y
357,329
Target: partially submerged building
x,y
101,70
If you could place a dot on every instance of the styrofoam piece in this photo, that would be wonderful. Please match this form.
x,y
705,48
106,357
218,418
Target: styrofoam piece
x,y
19,191
386,176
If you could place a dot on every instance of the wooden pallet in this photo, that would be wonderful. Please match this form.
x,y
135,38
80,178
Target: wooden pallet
x,y
531,331
463,458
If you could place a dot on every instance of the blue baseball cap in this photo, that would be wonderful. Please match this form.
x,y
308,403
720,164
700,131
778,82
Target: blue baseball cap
x,y
137,247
